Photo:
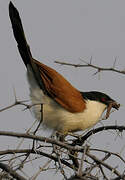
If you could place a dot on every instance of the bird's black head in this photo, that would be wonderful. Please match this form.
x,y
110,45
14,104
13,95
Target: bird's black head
x,y
100,97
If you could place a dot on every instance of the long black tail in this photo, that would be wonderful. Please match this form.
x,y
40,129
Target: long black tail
x,y
19,34
22,43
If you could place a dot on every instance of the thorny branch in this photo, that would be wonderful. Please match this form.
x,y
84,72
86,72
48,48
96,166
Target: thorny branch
x,y
62,144
89,64
82,139
14,174
68,147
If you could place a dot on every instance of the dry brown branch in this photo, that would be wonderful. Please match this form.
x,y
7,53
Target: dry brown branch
x,y
60,160
9,170
119,178
95,165
61,166
98,161
82,160
38,138
109,152
98,68
25,151
82,139
101,169
16,103
40,170
21,165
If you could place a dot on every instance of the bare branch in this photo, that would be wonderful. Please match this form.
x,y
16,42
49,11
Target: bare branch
x,y
50,156
39,138
109,152
103,172
82,160
40,170
99,69
14,104
9,170
98,161
82,139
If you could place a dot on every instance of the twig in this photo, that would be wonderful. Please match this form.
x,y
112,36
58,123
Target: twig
x,y
13,151
41,119
119,178
82,160
18,146
16,103
40,170
109,152
61,167
61,144
13,173
103,164
99,69
39,138
101,169
97,165
97,130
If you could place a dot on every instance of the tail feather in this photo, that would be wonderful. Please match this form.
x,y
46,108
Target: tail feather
x,y
19,34
23,46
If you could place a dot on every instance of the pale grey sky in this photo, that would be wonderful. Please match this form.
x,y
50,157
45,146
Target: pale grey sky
x,y
64,30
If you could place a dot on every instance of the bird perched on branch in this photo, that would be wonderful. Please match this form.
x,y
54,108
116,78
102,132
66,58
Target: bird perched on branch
x,y
65,108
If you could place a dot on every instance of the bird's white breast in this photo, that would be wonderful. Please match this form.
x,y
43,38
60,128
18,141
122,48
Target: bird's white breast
x,y
59,119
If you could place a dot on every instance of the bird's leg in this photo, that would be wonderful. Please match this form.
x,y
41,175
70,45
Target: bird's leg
x,y
60,136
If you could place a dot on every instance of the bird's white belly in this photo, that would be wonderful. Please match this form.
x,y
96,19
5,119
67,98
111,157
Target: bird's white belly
x,y
59,119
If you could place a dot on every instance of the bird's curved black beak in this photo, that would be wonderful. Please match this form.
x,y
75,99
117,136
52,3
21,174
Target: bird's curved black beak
x,y
111,104
114,104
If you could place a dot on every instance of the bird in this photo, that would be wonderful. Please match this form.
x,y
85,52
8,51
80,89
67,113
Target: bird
x,y
64,109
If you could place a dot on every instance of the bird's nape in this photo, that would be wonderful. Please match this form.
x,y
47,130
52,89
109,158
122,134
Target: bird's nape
x,y
100,97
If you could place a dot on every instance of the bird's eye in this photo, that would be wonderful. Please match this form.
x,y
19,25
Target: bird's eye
x,y
103,99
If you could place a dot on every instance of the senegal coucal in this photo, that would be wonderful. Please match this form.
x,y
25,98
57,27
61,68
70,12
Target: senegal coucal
x,y
65,109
